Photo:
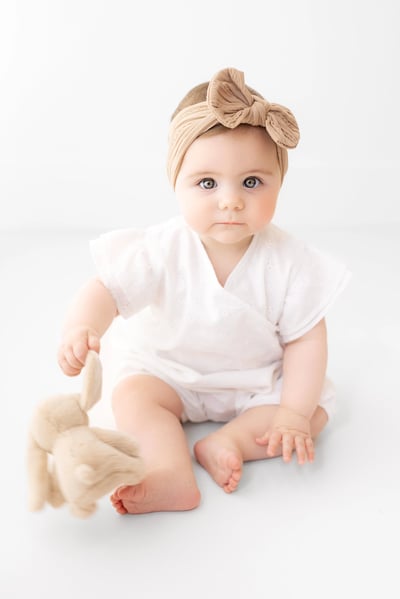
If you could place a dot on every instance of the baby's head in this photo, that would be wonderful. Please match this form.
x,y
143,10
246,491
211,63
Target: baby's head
x,y
223,104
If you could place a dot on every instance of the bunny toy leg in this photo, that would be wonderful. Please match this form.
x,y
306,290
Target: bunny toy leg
x,y
55,497
38,476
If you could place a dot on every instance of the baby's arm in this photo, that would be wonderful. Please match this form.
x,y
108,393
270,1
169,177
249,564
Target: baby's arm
x,y
304,368
88,318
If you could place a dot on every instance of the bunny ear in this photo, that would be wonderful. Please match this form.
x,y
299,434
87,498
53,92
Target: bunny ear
x,y
91,390
282,126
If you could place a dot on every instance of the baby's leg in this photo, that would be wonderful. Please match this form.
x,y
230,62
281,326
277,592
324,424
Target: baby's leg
x,y
149,409
222,453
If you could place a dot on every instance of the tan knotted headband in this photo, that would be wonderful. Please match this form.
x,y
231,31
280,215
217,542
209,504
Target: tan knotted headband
x,y
230,103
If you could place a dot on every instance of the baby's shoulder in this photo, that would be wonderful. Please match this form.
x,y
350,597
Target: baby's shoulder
x,y
154,237
274,241
167,231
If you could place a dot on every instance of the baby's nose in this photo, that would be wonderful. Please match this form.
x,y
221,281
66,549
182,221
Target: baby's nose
x,y
230,199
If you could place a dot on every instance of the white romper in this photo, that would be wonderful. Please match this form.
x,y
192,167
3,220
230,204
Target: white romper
x,y
220,347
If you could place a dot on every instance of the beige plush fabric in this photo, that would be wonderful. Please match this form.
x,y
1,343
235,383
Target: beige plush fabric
x,y
230,103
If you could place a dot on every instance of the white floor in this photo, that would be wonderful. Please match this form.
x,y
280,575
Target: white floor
x,y
326,530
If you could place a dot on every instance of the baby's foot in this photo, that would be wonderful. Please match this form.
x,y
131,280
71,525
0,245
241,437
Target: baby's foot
x,y
159,492
221,460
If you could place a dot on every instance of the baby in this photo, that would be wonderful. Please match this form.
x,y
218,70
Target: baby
x,y
232,308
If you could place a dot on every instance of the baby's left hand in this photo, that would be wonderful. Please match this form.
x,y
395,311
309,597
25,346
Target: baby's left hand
x,y
291,432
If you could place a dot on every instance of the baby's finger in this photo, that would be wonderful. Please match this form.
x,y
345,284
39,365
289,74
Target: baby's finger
x,y
287,446
80,350
71,359
300,449
264,440
94,342
274,444
310,449
66,367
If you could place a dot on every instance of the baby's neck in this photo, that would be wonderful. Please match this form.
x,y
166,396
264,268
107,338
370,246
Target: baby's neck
x,y
225,257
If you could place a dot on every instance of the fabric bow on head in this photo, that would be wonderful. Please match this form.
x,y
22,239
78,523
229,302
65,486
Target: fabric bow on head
x,y
233,105
230,103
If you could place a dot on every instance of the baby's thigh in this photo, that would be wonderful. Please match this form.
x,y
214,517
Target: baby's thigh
x,y
144,392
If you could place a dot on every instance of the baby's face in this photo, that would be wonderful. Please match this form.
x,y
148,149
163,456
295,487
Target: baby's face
x,y
228,185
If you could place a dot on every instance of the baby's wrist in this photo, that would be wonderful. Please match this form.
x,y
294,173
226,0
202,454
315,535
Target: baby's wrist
x,y
80,339
78,330
285,415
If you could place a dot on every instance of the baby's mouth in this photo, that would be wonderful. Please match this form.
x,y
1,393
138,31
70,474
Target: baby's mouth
x,y
229,222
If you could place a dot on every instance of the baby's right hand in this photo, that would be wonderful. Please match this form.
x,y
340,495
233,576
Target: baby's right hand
x,y
74,348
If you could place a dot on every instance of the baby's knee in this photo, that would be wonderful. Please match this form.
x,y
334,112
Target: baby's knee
x,y
144,392
127,396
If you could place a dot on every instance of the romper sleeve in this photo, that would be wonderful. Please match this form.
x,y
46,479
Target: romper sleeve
x,y
314,283
127,266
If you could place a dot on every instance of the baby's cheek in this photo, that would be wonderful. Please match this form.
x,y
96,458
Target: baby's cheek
x,y
196,217
264,212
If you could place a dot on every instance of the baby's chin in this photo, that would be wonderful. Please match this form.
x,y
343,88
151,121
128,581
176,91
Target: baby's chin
x,y
228,235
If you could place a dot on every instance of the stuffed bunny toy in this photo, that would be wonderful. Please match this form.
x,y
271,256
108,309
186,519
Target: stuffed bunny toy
x,y
87,462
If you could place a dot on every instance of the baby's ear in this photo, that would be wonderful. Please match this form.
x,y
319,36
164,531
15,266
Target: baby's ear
x,y
91,390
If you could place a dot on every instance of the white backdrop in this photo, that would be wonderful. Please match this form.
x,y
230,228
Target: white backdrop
x,y
87,88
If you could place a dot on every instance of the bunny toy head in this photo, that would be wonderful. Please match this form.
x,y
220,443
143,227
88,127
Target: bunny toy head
x,y
69,461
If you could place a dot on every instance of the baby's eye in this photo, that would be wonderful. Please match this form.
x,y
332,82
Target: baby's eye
x,y
208,183
251,182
